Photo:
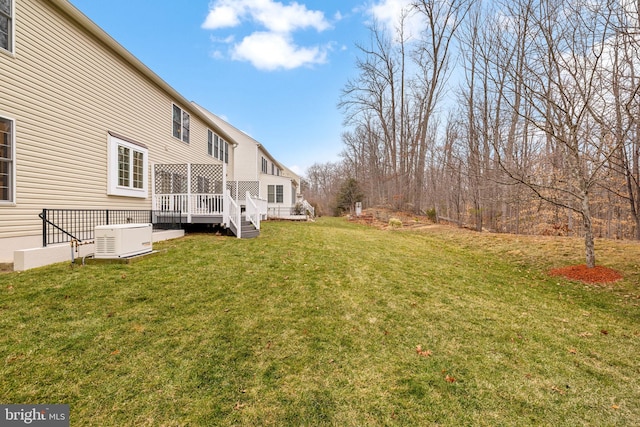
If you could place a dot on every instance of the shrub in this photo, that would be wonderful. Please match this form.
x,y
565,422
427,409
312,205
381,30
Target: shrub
x,y
298,209
395,222
431,214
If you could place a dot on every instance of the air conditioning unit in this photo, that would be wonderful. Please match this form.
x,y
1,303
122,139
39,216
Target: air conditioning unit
x,y
123,240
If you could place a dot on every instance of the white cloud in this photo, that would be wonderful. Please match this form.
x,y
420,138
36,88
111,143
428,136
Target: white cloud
x,y
221,17
284,19
389,13
273,15
272,51
274,48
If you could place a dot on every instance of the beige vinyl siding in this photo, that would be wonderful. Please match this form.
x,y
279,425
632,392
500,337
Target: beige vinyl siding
x,y
66,90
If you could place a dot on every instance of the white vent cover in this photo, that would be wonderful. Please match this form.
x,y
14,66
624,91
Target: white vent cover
x,y
123,240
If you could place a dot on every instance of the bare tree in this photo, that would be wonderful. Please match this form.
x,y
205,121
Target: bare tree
x,y
560,83
442,18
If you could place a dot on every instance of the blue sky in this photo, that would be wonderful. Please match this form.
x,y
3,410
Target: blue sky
x,y
272,68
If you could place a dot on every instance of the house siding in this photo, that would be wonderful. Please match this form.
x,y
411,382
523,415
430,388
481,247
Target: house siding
x,y
66,89
268,180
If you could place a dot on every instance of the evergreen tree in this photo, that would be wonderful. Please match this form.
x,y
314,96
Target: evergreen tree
x,y
348,195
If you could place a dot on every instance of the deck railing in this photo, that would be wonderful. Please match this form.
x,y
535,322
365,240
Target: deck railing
x,y
309,209
283,212
65,225
195,204
235,215
252,211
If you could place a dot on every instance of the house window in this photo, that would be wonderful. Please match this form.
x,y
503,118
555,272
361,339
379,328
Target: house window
x,y
181,123
172,183
221,149
209,142
128,167
6,25
273,169
275,194
264,165
179,184
216,146
138,169
271,193
203,185
7,166
165,182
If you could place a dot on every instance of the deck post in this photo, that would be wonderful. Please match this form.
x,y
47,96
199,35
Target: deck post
x,y
153,187
44,228
189,207
225,203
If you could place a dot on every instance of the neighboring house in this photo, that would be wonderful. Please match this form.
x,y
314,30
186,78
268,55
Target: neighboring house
x,y
86,125
278,185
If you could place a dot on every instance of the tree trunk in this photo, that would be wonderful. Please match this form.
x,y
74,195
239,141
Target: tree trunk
x,y
589,243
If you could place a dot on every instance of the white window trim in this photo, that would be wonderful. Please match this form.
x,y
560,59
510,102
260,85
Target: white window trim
x,y
112,172
275,194
12,35
11,202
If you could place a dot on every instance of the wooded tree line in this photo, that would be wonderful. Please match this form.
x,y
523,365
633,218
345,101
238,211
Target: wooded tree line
x,y
518,116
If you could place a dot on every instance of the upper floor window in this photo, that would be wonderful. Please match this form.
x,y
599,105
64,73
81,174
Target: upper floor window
x,y
7,166
181,122
216,146
264,165
6,25
210,142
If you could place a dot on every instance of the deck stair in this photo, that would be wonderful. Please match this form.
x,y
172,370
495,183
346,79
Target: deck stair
x,y
247,229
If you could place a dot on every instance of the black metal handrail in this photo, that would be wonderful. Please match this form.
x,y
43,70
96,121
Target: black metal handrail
x,y
65,225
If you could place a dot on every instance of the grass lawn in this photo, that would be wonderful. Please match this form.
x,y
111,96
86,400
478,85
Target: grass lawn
x,y
319,324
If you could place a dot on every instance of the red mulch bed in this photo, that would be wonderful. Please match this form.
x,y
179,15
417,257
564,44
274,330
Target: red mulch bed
x,y
597,274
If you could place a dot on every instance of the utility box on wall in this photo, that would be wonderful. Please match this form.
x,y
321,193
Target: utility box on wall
x,y
123,240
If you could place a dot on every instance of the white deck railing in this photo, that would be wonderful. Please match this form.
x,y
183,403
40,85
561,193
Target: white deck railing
x,y
308,208
252,211
234,214
190,204
214,205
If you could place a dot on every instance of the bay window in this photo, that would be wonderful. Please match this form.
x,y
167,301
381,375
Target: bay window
x,y
128,167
